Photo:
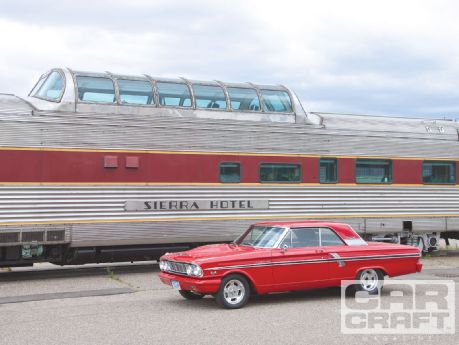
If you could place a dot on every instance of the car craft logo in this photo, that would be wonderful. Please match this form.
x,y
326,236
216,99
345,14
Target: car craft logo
x,y
401,307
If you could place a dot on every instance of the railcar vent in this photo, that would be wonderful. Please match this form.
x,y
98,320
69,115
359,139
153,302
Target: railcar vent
x,y
55,235
9,237
35,236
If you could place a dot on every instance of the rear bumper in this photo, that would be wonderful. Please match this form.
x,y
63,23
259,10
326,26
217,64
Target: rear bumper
x,y
418,267
203,286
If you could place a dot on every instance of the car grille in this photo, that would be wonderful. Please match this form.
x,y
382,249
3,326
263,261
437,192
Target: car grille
x,y
177,267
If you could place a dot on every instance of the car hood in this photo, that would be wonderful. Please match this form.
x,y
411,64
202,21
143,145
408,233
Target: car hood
x,y
213,253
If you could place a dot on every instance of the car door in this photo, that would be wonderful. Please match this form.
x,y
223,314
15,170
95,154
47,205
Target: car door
x,y
336,252
299,263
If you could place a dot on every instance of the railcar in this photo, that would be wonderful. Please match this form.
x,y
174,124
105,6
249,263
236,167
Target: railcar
x,y
98,167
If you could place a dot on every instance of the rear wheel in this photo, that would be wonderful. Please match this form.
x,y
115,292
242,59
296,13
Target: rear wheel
x,y
370,280
190,294
234,292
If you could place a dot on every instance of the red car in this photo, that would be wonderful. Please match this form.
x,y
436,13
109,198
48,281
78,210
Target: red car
x,y
285,256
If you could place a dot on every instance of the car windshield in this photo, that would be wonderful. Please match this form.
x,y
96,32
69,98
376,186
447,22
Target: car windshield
x,y
261,236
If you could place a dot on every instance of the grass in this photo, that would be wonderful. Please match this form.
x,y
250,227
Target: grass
x,y
111,275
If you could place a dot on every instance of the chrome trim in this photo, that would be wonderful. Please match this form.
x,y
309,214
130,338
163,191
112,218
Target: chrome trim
x,y
340,262
312,261
281,238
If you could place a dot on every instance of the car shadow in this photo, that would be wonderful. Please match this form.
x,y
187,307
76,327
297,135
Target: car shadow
x,y
209,302
312,295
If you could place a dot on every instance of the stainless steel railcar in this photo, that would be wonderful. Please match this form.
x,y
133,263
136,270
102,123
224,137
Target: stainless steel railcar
x,y
102,167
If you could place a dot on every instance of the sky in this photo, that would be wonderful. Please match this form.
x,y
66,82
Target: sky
x,y
366,57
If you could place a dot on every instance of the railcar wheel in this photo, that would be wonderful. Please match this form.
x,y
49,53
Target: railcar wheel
x,y
234,292
370,280
190,294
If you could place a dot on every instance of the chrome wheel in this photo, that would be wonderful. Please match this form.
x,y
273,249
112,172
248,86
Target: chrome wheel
x,y
234,291
369,280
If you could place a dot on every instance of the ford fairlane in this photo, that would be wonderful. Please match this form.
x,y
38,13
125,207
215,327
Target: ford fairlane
x,y
275,257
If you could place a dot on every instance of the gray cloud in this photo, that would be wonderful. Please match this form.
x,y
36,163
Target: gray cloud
x,y
396,59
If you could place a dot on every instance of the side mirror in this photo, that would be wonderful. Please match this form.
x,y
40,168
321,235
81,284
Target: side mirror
x,y
284,247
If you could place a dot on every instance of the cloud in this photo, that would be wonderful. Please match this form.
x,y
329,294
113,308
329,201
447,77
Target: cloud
x,y
392,57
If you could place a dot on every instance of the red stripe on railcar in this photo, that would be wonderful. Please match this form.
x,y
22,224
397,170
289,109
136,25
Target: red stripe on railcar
x,y
346,170
407,171
143,167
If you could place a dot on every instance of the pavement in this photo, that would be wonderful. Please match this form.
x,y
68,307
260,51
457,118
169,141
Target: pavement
x,y
127,304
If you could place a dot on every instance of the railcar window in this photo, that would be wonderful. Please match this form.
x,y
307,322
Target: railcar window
x,y
52,87
305,237
328,169
373,171
39,84
135,92
243,99
230,172
95,89
207,96
439,172
276,101
329,238
174,94
274,172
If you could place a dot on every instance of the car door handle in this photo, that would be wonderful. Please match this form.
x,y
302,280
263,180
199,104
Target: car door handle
x,y
320,251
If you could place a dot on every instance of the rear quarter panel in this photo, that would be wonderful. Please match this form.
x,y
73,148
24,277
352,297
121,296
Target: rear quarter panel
x,y
380,256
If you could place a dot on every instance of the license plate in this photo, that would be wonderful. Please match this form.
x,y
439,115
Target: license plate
x,y
175,284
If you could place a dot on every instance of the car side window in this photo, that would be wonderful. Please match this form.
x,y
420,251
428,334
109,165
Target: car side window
x,y
287,241
329,238
305,237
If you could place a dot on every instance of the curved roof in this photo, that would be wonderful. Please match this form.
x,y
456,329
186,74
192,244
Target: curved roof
x,y
108,74
272,103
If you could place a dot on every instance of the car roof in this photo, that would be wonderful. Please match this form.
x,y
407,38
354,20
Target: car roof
x,y
343,229
302,223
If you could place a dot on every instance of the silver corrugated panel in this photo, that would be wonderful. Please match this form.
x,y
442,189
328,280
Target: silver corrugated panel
x,y
452,223
180,134
395,125
98,204
49,203
159,232
383,225
395,224
427,224
12,105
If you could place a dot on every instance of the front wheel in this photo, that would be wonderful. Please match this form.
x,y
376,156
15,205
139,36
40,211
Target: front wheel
x,y
234,292
190,294
370,280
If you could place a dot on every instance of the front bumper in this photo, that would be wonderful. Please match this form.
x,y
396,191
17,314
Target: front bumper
x,y
200,285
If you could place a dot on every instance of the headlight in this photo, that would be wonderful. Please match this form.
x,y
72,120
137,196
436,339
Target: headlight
x,y
162,265
197,271
193,270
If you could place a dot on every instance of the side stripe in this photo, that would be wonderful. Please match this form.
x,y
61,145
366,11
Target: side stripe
x,y
317,261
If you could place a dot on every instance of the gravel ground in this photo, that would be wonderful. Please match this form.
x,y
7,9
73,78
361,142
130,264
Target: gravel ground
x,y
126,304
